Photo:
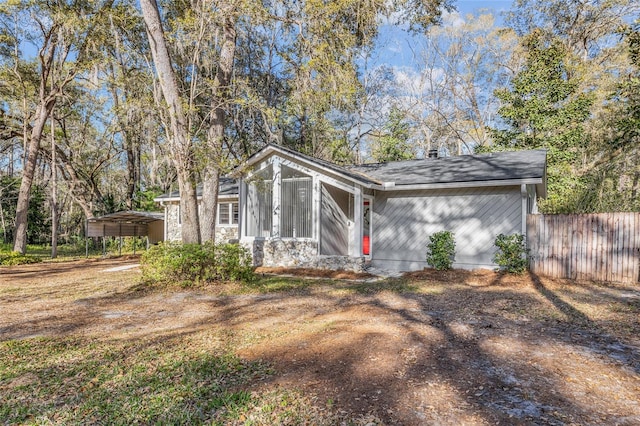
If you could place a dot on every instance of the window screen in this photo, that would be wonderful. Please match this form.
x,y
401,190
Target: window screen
x,y
258,209
296,207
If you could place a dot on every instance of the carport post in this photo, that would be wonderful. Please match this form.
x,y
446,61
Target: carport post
x,y
120,238
86,238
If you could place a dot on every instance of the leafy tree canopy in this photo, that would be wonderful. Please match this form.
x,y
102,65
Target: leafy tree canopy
x,y
542,108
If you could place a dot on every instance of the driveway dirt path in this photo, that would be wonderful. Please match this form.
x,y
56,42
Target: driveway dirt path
x,y
432,348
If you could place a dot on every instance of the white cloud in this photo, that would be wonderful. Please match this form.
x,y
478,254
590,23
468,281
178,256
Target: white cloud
x,y
452,19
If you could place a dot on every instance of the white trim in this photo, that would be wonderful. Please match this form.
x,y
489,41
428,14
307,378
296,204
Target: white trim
x,y
276,195
177,199
469,184
356,250
320,176
316,208
230,222
390,186
272,148
166,222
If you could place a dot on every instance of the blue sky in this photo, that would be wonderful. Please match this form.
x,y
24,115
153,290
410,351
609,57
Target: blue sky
x,y
466,6
394,47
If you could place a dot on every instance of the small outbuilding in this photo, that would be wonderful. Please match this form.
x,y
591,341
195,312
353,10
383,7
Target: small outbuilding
x,y
128,224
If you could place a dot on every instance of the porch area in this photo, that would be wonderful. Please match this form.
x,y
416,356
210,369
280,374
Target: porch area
x,y
295,216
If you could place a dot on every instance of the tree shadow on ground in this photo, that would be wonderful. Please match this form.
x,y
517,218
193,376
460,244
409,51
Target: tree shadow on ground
x,y
406,352
432,345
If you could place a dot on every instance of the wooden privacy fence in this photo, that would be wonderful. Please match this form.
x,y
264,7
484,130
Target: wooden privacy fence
x,y
601,247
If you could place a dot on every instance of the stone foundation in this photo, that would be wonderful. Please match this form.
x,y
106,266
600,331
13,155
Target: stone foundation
x,y
226,233
298,254
339,263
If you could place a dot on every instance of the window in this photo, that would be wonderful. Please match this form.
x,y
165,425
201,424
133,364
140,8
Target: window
x,y
228,213
235,213
296,207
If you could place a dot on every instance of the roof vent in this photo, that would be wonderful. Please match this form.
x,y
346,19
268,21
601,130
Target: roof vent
x,y
433,153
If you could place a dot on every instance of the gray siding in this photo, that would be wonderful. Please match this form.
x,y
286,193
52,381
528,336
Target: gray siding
x,y
334,228
404,220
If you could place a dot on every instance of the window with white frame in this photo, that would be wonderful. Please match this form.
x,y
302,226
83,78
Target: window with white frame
x,y
228,213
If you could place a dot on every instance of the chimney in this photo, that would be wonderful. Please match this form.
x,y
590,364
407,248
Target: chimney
x,y
433,153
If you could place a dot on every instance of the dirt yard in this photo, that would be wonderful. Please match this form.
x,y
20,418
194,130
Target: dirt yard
x,y
430,348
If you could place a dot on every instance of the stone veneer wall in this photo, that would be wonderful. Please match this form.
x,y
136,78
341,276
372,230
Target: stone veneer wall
x,y
298,254
174,228
226,233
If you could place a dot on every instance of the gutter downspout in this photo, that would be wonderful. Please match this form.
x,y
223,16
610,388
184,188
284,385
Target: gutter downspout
x,y
524,195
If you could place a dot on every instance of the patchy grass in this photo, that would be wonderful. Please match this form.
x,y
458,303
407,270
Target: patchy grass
x,y
394,285
272,284
80,345
185,381
67,252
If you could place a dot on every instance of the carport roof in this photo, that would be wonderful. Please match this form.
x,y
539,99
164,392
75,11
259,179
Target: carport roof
x,y
129,216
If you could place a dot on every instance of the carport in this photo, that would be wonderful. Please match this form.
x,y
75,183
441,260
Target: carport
x,y
126,224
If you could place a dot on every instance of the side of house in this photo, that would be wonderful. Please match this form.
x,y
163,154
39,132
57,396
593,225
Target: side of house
x,y
405,221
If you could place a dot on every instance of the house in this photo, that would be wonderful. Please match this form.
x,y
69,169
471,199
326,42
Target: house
x,y
290,209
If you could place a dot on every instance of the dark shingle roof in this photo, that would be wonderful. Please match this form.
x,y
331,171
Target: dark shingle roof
x,y
228,186
463,168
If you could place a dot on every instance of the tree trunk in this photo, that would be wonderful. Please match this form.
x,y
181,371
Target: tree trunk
x,y
54,195
215,135
209,203
33,150
2,222
180,141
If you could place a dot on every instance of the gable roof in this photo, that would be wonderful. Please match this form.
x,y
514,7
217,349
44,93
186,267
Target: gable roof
x,y
492,169
495,169
353,175
497,166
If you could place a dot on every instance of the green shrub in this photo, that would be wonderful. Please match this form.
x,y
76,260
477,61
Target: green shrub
x,y
14,258
188,264
441,250
512,253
